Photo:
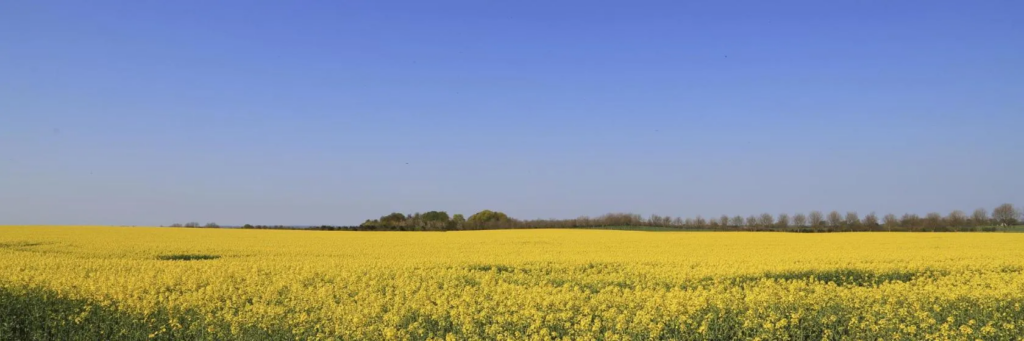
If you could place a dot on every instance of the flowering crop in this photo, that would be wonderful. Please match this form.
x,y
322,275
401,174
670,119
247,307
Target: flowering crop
x,y
148,283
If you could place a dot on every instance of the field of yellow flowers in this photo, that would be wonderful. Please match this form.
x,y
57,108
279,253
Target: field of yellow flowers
x,y
76,283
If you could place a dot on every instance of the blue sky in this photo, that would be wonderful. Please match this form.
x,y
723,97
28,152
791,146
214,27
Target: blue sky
x,y
331,112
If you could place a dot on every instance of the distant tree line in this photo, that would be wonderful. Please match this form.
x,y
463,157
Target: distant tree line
x,y
195,224
814,221
440,221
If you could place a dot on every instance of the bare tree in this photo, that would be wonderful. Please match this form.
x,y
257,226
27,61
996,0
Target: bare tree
x,y
656,220
910,221
956,220
736,221
751,221
690,223
852,221
979,217
870,221
799,220
890,221
816,219
835,219
766,220
783,221
1006,215
933,221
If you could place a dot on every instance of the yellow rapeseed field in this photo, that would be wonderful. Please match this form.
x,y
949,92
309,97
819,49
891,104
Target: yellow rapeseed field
x,y
72,283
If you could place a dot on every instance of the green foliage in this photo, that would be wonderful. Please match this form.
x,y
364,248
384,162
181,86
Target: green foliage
x,y
488,216
429,221
435,216
458,222
370,224
393,218
1003,218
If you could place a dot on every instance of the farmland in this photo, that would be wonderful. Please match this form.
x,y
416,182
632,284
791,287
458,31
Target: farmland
x,y
171,283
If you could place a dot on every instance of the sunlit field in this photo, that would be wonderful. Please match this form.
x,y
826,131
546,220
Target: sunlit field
x,y
73,283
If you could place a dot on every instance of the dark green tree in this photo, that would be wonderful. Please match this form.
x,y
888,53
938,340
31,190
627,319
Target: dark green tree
x,y
393,218
487,218
458,221
435,220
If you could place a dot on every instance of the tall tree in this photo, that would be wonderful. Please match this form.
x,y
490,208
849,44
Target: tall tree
x,y
459,221
957,220
700,222
723,220
751,221
799,220
852,221
435,220
979,217
910,221
890,221
487,216
394,219
783,221
657,220
835,220
689,223
933,222
766,220
677,221
1006,215
736,222
870,221
815,218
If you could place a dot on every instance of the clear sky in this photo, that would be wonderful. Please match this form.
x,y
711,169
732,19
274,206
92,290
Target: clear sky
x,y
332,112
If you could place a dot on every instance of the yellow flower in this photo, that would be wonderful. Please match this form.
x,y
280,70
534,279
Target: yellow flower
x,y
511,285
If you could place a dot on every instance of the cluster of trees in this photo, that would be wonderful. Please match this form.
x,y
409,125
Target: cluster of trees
x,y
834,221
815,221
273,227
195,224
439,221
